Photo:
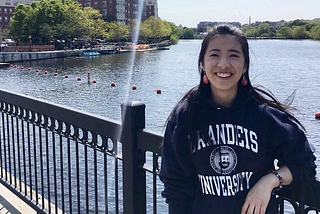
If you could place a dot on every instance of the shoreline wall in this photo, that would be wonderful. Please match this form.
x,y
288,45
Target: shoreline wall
x,y
29,56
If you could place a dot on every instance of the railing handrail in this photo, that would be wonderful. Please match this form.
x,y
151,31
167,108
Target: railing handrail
x,y
149,141
88,121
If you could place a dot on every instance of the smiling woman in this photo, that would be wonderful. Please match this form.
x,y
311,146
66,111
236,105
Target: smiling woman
x,y
223,66
224,135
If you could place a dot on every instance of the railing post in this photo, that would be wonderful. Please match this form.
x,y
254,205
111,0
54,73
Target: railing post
x,y
134,178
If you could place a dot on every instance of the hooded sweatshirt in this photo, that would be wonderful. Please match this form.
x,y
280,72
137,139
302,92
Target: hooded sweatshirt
x,y
234,147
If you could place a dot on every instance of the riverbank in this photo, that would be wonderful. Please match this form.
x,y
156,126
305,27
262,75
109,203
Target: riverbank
x,y
29,56
8,57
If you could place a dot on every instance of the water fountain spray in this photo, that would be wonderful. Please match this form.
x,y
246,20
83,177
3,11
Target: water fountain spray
x,y
133,57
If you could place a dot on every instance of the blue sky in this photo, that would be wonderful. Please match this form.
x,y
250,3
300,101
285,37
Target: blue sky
x,y
190,12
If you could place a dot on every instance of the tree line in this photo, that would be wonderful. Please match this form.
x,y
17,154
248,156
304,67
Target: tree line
x,y
296,29
47,21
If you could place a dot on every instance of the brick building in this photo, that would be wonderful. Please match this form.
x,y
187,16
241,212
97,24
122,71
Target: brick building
x,y
7,10
122,11
6,13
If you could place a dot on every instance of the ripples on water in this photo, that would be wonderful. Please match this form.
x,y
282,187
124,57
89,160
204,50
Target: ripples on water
x,y
282,66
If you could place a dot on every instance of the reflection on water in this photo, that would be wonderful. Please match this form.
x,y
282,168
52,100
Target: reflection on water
x,y
280,65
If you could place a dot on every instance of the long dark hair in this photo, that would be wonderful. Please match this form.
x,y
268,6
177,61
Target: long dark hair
x,y
195,96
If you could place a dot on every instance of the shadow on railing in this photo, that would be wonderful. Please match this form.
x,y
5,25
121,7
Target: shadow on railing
x,y
58,159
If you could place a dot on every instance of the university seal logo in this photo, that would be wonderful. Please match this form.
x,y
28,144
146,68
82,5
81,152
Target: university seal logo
x,y
223,160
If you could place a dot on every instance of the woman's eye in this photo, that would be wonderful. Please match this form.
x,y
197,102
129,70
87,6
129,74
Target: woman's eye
x,y
233,55
215,55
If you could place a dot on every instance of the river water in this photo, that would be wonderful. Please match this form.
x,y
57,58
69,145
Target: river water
x,y
282,66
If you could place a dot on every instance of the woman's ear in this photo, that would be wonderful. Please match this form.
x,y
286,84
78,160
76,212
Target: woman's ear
x,y
202,66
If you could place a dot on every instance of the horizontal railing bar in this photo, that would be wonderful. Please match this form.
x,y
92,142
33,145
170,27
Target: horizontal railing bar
x,y
88,121
149,141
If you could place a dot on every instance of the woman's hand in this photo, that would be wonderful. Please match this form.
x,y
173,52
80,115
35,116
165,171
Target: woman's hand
x,y
258,197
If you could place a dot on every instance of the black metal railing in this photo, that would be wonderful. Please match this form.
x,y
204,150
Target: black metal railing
x,y
58,159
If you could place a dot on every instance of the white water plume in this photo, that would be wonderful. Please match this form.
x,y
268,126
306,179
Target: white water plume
x,y
133,55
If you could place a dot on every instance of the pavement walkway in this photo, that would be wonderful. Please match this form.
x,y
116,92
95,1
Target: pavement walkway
x,y
10,203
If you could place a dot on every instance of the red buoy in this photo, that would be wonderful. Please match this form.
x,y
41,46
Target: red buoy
x,y
318,115
66,76
11,65
15,66
94,81
37,70
158,91
134,87
46,72
22,68
29,69
55,74
113,84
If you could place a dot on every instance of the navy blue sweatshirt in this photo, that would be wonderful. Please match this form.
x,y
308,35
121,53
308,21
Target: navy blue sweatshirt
x,y
234,148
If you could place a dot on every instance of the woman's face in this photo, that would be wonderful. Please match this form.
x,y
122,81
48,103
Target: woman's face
x,y
224,65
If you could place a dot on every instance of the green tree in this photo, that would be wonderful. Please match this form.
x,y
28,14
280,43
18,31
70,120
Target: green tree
x,y
174,39
299,32
47,32
145,31
94,25
315,32
188,34
20,27
175,33
285,32
252,32
117,32
265,35
264,28
295,23
46,16
309,26
56,19
155,29
272,34
74,24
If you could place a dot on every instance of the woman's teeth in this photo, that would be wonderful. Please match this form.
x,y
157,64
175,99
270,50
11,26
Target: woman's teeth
x,y
224,75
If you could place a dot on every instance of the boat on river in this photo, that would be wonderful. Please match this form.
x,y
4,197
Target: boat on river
x,y
91,53
106,49
140,48
163,48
